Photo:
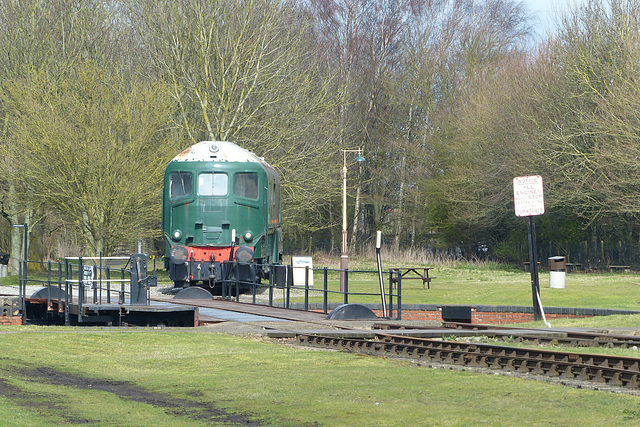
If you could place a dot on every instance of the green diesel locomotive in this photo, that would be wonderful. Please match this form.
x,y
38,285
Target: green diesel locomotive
x,y
221,216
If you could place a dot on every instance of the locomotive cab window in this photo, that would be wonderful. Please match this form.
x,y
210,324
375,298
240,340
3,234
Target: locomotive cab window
x,y
274,209
180,184
245,184
213,184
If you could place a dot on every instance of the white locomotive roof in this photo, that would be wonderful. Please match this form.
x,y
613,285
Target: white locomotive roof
x,y
217,151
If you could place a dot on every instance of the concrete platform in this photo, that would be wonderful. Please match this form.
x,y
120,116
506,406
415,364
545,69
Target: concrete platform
x,y
208,315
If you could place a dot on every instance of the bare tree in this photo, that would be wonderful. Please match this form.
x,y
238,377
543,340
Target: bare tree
x,y
43,36
458,60
92,149
408,68
598,49
363,40
250,72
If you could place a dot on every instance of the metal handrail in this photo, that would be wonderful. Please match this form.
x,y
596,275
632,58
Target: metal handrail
x,y
69,287
395,278
72,286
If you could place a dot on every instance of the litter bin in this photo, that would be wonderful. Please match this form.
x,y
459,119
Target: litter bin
x,y
557,271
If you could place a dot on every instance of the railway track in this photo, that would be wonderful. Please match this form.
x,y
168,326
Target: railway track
x,y
611,370
615,371
571,338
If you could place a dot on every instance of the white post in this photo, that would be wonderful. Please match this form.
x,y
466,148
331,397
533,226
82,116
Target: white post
x,y
344,257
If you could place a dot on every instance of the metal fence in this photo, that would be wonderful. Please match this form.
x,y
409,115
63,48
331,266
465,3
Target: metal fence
x,y
76,278
110,280
281,277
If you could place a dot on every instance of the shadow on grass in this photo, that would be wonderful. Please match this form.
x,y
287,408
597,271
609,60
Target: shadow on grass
x,y
200,411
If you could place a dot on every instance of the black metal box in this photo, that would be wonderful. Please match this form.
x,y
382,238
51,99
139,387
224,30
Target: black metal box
x,y
456,313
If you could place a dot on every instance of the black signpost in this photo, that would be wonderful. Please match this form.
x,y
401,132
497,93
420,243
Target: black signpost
x,y
533,267
528,197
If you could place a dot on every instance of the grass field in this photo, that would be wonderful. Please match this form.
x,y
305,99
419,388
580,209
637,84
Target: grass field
x,y
490,284
169,378
140,377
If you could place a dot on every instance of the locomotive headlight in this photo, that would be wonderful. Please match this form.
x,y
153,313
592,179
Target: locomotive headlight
x,y
178,255
177,235
244,254
248,236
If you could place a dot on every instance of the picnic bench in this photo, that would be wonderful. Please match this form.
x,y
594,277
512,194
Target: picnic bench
x,y
625,268
417,273
527,265
573,266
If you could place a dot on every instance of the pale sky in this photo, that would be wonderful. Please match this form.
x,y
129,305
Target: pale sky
x,y
548,11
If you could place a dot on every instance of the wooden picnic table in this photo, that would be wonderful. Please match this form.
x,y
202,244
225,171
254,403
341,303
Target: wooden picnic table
x,y
419,273
575,266
619,268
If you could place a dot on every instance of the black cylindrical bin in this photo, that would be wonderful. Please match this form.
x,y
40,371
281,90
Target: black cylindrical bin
x,y
557,271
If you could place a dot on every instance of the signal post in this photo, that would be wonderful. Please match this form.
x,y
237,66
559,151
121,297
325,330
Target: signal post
x,y
528,198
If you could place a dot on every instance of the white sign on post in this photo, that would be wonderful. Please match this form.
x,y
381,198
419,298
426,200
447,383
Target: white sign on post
x,y
88,275
528,195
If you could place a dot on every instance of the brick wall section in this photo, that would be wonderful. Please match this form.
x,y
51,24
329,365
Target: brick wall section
x,y
11,320
491,317
495,314
9,311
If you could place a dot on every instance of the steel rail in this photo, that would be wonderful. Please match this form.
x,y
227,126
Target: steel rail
x,y
611,370
599,338
570,338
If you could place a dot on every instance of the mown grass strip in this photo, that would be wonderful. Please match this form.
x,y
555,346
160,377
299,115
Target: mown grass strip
x,y
271,384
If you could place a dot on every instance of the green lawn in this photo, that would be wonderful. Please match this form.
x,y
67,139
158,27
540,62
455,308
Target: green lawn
x,y
489,284
142,377
214,379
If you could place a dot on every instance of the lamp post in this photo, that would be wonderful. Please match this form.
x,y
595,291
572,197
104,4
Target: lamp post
x,y
344,256
22,287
